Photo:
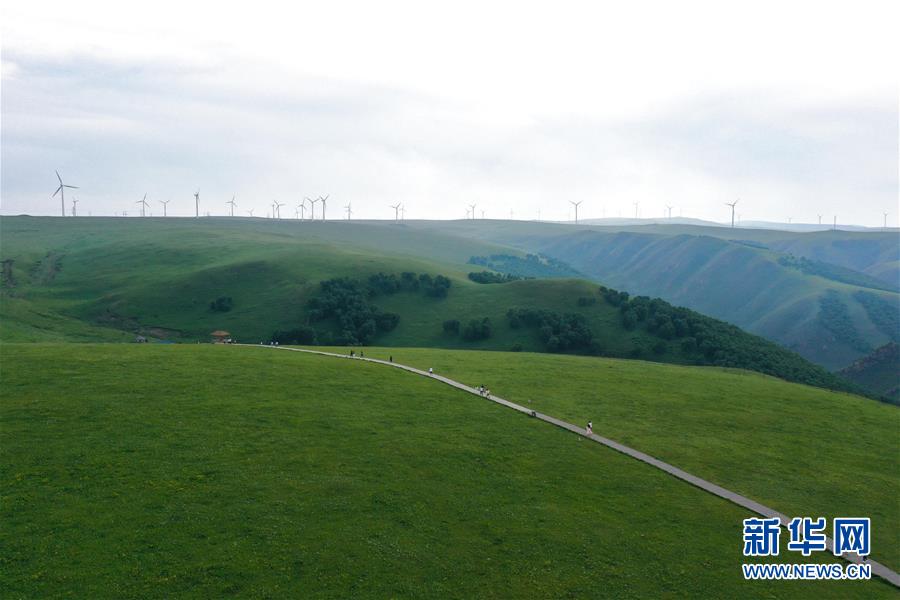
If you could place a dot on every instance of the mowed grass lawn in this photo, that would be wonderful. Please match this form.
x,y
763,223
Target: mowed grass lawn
x,y
799,449
188,470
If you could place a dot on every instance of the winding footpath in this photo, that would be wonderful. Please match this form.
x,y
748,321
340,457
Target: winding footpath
x,y
877,568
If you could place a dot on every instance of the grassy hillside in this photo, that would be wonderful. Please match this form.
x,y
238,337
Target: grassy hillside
x,y
879,371
773,284
798,449
206,471
159,277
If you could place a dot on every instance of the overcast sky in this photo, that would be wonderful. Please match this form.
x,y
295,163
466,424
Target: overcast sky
x,y
790,106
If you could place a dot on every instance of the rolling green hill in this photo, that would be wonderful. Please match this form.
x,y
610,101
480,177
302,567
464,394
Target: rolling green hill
x,y
799,289
162,278
198,470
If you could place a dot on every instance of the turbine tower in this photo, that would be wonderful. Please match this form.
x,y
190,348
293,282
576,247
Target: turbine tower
x,y
143,203
312,208
885,220
820,219
732,205
323,200
232,203
834,226
61,190
302,207
576,205
165,204
396,208
636,204
472,208
197,203
349,210
670,210
278,206
75,210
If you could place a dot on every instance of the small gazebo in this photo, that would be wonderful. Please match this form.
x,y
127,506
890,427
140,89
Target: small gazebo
x,y
220,337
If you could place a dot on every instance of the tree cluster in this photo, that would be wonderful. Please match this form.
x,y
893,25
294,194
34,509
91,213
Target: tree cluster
x,y
709,341
477,329
835,317
347,302
558,332
381,283
883,313
491,277
834,272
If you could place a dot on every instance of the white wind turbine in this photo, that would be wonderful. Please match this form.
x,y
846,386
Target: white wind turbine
x,y
732,205
61,190
312,208
165,204
576,205
75,209
143,203
232,203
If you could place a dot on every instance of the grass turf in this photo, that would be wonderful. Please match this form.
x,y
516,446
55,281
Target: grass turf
x,y
134,471
799,449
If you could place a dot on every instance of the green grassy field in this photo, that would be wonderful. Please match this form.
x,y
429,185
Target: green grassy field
x,y
801,450
142,470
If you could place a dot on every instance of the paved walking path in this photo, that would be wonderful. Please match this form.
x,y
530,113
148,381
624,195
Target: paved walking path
x,y
877,568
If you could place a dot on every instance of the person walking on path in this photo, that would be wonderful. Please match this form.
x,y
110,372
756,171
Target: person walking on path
x,y
590,428
430,371
391,358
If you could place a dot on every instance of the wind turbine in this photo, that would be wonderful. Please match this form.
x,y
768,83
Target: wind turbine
x,y
472,208
165,204
312,208
61,190
143,203
834,226
197,203
232,203
250,212
576,205
75,211
402,213
670,210
885,220
323,200
302,208
636,209
732,205
278,206
396,208
820,219
349,210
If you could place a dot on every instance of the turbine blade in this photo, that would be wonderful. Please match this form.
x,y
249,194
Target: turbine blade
x,y
74,187
56,192
58,177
